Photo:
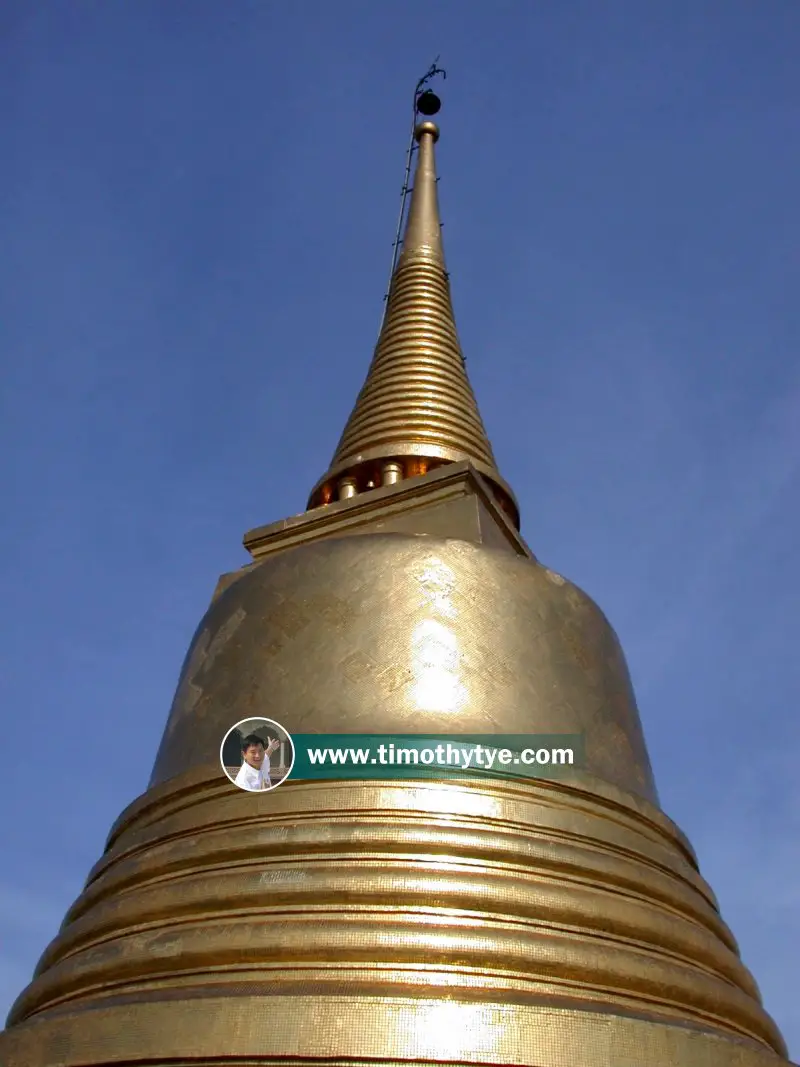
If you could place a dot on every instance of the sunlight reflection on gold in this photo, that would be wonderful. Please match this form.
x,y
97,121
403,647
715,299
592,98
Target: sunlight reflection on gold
x,y
446,801
447,1030
438,582
435,664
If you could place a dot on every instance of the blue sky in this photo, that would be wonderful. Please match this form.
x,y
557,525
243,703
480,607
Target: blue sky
x,y
198,205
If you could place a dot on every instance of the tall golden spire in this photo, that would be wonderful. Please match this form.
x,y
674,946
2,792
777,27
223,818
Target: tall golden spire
x,y
416,409
469,921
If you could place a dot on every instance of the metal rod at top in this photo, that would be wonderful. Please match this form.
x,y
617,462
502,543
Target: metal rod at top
x,y
432,72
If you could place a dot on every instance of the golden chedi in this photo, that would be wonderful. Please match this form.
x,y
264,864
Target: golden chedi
x,y
558,923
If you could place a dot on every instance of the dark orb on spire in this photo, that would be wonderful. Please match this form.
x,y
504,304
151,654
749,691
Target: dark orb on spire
x,y
428,103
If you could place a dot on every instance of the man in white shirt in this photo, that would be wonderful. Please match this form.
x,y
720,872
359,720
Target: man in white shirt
x,y
254,772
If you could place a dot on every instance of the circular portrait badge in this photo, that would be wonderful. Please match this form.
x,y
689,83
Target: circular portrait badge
x,y
257,754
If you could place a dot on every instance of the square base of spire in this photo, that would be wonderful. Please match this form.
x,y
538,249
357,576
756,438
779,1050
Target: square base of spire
x,y
453,501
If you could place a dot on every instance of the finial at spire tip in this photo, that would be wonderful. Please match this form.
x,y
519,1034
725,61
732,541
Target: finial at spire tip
x,y
427,103
427,127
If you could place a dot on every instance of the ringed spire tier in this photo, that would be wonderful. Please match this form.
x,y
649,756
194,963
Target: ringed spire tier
x,y
416,410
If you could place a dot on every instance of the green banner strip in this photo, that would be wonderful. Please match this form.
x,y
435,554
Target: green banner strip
x,y
380,756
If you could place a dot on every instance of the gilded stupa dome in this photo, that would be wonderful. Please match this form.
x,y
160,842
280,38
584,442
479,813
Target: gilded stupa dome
x,y
393,633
